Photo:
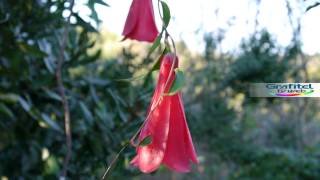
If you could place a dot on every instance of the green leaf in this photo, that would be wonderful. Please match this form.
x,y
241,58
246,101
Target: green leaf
x,y
84,24
166,20
24,104
92,58
34,50
82,61
177,83
86,111
94,14
53,95
146,141
51,165
49,65
50,122
166,14
9,97
122,115
155,44
97,81
5,110
102,3
156,66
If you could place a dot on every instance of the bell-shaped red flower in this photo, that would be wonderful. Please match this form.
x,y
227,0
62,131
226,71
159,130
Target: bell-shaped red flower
x,y
171,143
140,24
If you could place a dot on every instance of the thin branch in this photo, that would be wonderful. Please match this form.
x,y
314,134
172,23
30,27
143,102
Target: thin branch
x,y
107,172
312,6
256,23
61,88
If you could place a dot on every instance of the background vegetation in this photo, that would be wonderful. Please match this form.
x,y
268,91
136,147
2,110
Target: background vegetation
x,y
237,137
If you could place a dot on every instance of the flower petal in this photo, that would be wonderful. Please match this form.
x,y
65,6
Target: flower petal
x,y
178,150
132,18
187,136
140,24
150,156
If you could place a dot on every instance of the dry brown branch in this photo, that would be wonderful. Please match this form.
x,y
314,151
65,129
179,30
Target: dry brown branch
x,y
61,88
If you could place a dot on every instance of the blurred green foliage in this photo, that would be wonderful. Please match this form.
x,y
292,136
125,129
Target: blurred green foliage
x,y
237,137
104,112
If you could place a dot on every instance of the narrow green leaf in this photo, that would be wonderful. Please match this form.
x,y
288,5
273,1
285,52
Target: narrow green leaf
x,y
166,14
5,110
102,3
81,61
166,20
10,97
155,44
24,104
94,14
156,66
53,95
122,115
97,81
84,24
177,83
31,49
49,65
146,141
50,122
86,111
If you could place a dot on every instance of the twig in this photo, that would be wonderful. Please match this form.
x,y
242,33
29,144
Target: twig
x,y
61,88
312,6
107,172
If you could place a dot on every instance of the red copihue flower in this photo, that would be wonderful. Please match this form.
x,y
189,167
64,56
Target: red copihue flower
x,y
171,142
140,24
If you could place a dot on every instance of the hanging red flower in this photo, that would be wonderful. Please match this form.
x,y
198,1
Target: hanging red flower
x,y
171,142
140,24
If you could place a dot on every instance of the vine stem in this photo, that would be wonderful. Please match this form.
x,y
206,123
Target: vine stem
x,y
153,107
107,172
61,89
